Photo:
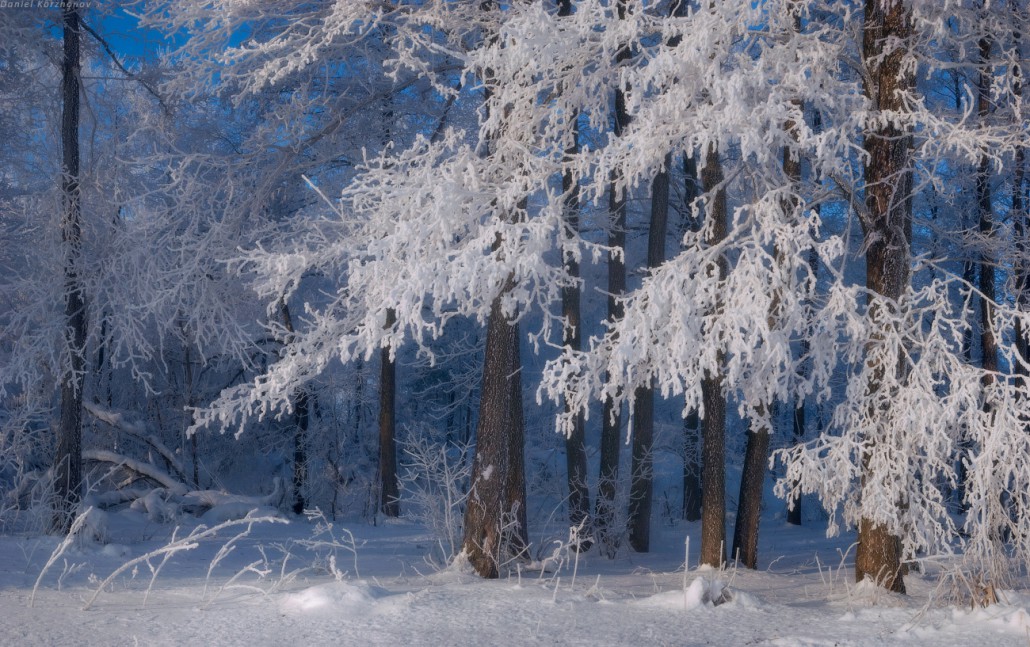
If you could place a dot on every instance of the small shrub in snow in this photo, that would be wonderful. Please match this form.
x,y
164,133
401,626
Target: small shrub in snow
x,y
434,482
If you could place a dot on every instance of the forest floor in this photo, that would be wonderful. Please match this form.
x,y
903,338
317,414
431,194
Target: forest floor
x,y
235,589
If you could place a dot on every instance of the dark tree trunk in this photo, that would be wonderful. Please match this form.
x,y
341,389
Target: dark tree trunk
x,y
713,427
572,338
985,212
691,467
692,423
607,483
641,484
495,527
389,492
798,434
300,425
68,456
190,403
749,508
886,226
1022,229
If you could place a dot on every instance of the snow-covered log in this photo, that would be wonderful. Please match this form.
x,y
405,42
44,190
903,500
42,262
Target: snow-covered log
x,y
142,468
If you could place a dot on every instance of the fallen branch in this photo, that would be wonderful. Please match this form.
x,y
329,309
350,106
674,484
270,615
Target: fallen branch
x,y
137,430
144,469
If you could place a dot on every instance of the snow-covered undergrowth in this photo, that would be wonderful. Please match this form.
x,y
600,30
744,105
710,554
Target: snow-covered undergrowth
x,y
300,583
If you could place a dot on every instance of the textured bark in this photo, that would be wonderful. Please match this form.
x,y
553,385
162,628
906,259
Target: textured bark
x,y
713,427
749,507
985,213
389,492
610,423
495,528
68,456
886,226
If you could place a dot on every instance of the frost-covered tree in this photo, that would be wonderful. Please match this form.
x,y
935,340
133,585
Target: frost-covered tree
x,y
900,345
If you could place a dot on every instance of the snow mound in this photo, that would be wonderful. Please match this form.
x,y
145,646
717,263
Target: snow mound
x,y
234,510
998,616
701,592
334,597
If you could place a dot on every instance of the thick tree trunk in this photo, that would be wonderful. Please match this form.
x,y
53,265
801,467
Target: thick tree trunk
x,y
713,427
389,492
68,457
607,483
886,226
495,514
749,507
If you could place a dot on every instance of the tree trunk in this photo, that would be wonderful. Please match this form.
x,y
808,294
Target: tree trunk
x,y
495,528
389,492
985,212
1022,228
691,467
641,484
300,426
886,225
607,483
572,339
749,507
68,457
691,423
713,428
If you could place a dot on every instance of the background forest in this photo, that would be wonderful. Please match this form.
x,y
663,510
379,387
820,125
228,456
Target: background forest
x,y
511,267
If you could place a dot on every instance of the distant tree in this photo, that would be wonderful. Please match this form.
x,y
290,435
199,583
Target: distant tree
x,y
68,458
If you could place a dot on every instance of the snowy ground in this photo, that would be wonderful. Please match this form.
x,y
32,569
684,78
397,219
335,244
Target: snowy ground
x,y
391,596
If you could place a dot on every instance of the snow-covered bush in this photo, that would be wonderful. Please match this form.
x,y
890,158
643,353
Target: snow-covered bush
x,y
434,485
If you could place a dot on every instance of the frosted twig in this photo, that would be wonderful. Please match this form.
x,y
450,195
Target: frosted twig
x,y
63,546
189,542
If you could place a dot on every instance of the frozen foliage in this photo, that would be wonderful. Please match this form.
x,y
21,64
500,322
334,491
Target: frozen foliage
x,y
434,229
282,178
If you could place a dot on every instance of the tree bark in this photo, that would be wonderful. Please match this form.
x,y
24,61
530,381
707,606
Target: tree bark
x,y
389,491
691,423
300,426
495,528
641,483
610,422
985,212
572,339
713,427
886,226
1022,228
691,467
68,456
